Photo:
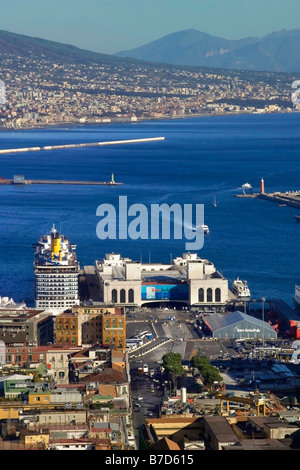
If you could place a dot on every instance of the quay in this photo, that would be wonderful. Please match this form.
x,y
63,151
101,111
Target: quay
x,y
19,180
88,144
287,198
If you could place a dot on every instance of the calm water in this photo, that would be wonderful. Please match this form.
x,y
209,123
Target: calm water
x,y
199,159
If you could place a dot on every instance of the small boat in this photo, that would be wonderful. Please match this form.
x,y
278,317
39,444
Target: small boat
x,y
204,228
240,288
297,217
215,202
247,186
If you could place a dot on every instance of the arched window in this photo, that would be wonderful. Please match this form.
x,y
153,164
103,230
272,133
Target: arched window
x,y
122,296
131,296
114,296
201,295
209,295
218,294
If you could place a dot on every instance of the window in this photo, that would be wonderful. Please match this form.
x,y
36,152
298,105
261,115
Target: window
x,y
114,296
131,296
123,296
209,295
218,294
201,295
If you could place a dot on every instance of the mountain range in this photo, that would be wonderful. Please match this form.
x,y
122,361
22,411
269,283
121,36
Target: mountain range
x,y
27,46
275,52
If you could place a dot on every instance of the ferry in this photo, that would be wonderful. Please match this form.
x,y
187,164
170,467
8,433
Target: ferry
x,y
203,227
240,288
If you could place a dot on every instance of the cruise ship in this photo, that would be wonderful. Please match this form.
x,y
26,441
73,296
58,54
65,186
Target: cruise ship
x,y
56,272
240,289
297,298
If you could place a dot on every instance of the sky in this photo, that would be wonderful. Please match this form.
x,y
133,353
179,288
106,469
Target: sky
x,y
110,26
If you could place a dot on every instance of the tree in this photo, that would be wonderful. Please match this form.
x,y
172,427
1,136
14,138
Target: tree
x,y
208,372
172,362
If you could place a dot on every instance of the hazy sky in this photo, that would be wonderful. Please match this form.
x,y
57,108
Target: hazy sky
x,y
112,25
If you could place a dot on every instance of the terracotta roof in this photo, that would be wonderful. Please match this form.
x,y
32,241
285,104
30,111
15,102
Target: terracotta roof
x,y
108,375
165,444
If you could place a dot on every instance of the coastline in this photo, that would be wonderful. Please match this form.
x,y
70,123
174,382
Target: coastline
x,y
74,124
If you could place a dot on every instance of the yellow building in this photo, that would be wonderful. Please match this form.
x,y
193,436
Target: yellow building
x,y
113,330
68,329
31,438
101,324
9,411
39,398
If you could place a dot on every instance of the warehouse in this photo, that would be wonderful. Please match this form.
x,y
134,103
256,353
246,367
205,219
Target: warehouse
x,y
238,325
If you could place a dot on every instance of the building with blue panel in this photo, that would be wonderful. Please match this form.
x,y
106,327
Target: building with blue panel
x,y
188,280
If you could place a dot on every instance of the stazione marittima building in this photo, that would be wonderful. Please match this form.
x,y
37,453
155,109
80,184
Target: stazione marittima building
x,y
188,280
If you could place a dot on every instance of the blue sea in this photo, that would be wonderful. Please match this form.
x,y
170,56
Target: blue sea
x,y
200,158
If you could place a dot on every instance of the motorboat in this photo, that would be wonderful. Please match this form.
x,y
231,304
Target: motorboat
x,y
240,288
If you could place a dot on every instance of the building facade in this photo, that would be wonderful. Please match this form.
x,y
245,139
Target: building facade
x,y
188,280
92,324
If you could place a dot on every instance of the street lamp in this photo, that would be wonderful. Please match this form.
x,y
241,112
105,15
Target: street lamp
x,y
107,285
263,320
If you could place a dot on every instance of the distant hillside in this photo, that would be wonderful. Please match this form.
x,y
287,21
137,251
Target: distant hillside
x,y
276,52
27,46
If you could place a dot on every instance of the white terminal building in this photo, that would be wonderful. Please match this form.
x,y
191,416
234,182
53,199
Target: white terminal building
x,y
188,280
56,272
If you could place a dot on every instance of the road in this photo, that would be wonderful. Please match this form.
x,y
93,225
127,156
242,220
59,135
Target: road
x,y
182,337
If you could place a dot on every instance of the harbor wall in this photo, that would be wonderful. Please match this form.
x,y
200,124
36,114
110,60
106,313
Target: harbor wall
x,y
88,144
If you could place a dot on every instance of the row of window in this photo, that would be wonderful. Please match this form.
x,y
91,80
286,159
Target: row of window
x,y
123,295
208,296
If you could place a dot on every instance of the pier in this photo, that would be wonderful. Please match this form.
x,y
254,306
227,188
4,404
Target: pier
x,y
19,180
88,144
289,198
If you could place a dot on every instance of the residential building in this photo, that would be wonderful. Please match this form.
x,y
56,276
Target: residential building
x,y
27,326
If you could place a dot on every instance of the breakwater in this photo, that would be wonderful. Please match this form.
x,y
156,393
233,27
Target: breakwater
x,y
88,144
86,183
288,198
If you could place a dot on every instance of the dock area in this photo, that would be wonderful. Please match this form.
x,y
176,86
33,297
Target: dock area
x,y
288,198
248,196
19,180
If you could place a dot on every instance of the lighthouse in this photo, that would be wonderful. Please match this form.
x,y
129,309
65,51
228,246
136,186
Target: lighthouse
x,y
262,186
